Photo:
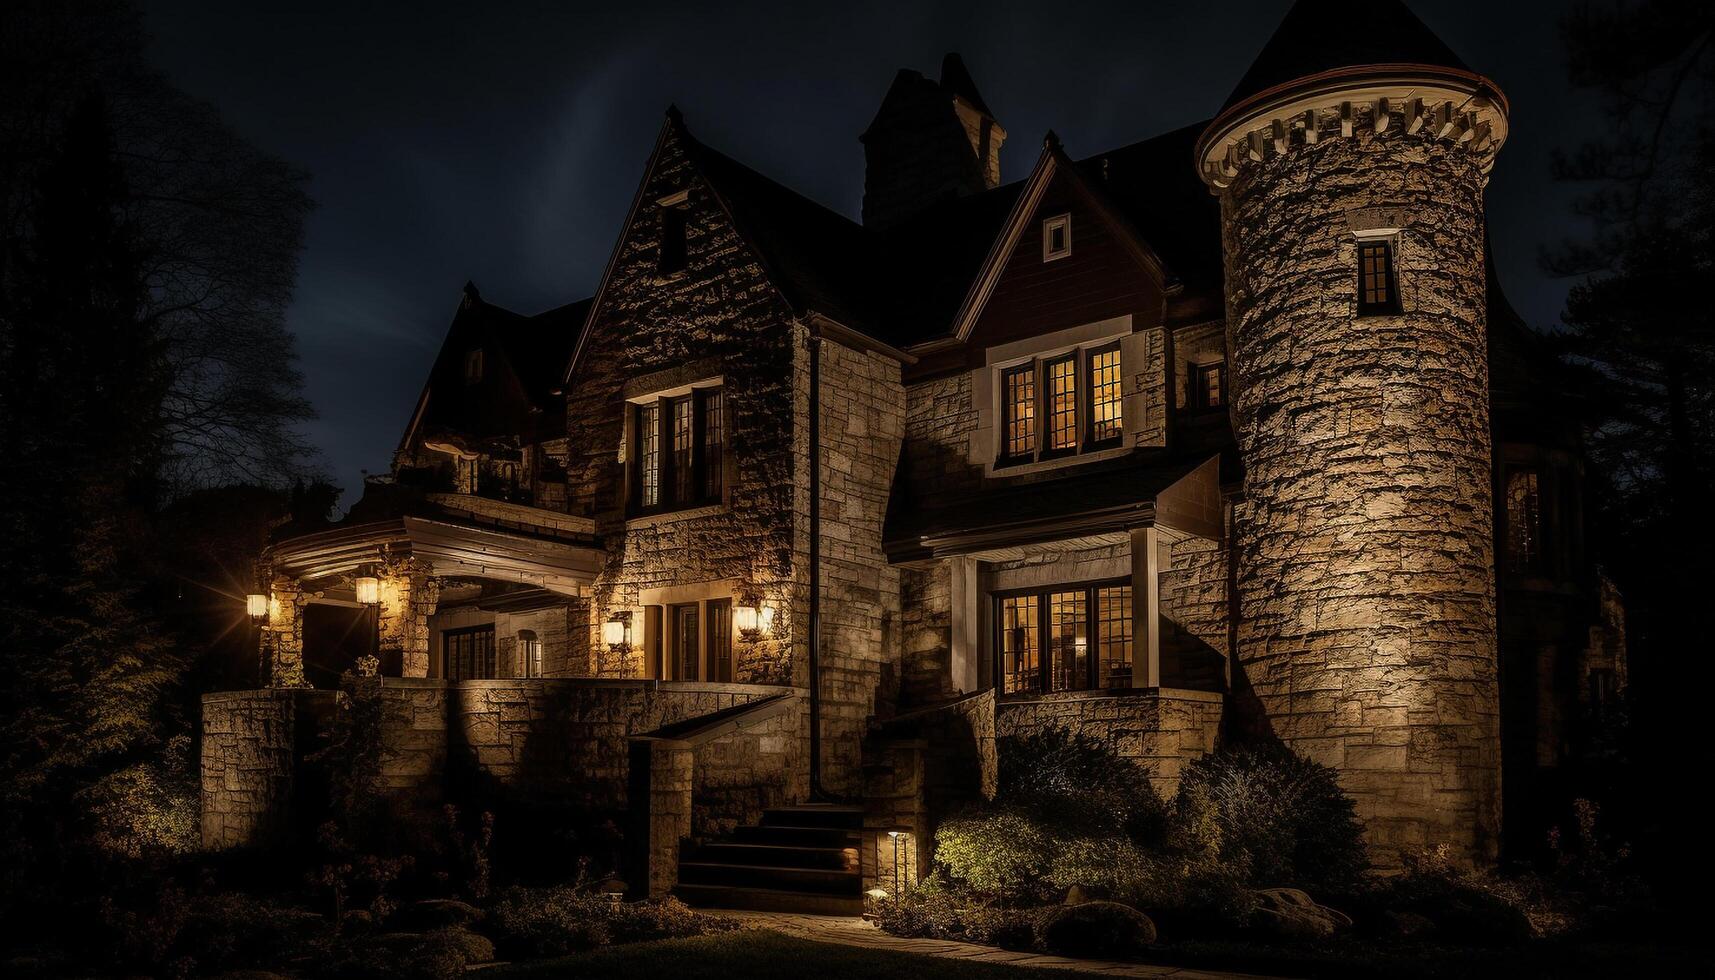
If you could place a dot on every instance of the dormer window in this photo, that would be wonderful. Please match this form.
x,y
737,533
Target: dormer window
x,y
1378,291
1061,405
473,366
1056,237
670,256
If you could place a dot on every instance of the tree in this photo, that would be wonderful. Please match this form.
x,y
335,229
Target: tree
x,y
222,220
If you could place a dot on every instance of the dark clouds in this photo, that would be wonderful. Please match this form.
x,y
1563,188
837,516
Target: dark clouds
x,y
502,142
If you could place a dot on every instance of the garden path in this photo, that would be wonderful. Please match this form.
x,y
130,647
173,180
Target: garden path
x,y
851,930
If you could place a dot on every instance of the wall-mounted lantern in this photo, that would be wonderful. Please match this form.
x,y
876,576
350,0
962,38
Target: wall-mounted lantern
x,y
368,589
616,632
752,621
256,605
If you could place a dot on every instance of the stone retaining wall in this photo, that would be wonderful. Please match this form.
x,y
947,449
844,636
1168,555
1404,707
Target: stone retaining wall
x,y
1160,728
253,746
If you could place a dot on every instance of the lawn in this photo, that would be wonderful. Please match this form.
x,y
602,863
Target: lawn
x,y
756,954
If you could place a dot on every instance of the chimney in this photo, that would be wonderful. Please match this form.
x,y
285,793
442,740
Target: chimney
x,y
930,141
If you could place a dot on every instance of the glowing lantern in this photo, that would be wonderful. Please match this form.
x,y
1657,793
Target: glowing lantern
x,y
746,618
256,605
616,632
368,589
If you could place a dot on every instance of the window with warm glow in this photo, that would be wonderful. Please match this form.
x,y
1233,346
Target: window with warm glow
x,y
1059,406
678,457
1104,400
529,654
1067,638
1208,386
1377,292
468,654
1524,521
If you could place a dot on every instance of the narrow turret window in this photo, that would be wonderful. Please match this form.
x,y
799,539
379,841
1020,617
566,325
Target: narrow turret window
x,y
1378,293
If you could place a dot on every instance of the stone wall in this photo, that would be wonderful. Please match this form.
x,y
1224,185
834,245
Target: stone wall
x,y
561,740
1365,545
253,747
1162,729
861,425
926,633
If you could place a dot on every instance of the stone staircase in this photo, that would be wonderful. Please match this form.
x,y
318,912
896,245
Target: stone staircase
x,y
798,859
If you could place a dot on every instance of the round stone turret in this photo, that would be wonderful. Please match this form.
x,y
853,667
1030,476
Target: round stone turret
x,y
1353,236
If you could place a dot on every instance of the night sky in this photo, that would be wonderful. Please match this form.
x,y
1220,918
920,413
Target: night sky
x,y
502,142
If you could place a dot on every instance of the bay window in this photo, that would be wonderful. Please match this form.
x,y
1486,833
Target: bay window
x,y
1064,638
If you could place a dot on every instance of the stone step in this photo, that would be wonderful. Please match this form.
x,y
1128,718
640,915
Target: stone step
x,y
815,815
785,836
768,900
820,881
776,855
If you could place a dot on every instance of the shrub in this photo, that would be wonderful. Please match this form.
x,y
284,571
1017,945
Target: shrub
x,y
935,911
1095,929
1280,817
1080,782
1009,854
533,922
1190,896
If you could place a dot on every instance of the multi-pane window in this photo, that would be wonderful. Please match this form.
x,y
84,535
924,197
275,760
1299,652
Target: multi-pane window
x,y
1019,392
529,654
1067,638
1104,401
1113,636
1524,520
714,437
1061,405
1377,292
468,654
678,451
1062,381
1020,643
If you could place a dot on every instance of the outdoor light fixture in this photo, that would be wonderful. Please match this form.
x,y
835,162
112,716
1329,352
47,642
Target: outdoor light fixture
x,y
748,621
368,589
257,606
616,632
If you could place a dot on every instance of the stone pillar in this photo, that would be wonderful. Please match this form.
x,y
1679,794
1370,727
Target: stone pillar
x,y
408,597
966,625
659,799
1145,607
283,635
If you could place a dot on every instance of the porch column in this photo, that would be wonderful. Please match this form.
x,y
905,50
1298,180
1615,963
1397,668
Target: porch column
x,y
283,635
1145,607
966,639
408,597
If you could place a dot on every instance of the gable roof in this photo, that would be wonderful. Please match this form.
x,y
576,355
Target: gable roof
x,y
1319,36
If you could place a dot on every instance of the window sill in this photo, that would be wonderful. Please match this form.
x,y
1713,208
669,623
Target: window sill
x,y
1005,469
674,516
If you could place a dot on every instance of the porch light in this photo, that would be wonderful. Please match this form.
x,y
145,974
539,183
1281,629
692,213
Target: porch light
x,y
616,632
745,619
256,605
368,589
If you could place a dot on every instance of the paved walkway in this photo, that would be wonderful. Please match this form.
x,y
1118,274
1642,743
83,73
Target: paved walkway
x,y
855,931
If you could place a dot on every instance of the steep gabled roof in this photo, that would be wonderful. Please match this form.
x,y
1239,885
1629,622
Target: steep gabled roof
x,y
1319,36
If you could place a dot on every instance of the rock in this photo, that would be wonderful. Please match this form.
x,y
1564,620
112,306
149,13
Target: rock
x,y
1080,894
433,913
1099,930
608,886
471,947
1292,915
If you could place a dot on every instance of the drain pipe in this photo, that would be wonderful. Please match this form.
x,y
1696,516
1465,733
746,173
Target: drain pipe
x,y
816,791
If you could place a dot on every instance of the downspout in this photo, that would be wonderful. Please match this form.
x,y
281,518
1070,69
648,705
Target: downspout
x,y
816,791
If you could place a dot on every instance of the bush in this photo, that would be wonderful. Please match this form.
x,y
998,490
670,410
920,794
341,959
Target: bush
x,y
536,922
1280,817
1095,929
935,911
1080,783
1009,854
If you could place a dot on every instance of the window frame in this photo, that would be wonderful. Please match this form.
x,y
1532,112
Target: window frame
x,y
1090,441
705,488
480,656
1062,223
1006,456
475,366
1094,679
1198,396
1038,368
1535,564
1389,306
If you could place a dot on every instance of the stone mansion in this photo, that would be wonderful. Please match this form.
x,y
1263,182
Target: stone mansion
x,y
1225,434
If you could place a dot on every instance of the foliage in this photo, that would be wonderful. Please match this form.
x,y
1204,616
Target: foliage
x,y
151,808
1079,781
1281,818
1012,855
934,909
531,922
355,880
175,934
1106,930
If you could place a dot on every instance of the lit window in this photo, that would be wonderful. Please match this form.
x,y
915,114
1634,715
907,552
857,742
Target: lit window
x,y
1377,292
1104,410
473,366
1019,385
678,451
1524,521
1020,671
1069,638
1062,385
468,654
671,256
1056,238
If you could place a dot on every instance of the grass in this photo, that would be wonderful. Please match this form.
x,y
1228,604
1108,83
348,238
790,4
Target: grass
x,y
758,954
